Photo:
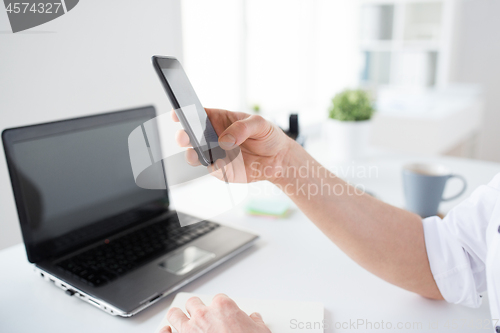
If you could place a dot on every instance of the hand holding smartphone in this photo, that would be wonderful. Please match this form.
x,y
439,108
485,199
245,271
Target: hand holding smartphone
x,y
189,109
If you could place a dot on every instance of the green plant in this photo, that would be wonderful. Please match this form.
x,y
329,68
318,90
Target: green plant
x,y
351,105
256,108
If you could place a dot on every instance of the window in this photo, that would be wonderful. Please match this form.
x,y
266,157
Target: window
x,y
284,55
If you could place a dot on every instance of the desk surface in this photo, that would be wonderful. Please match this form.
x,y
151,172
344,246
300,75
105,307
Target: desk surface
x,y
292,261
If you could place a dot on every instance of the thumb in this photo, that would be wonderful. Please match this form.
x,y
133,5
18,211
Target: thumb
x,y
239,131
256,317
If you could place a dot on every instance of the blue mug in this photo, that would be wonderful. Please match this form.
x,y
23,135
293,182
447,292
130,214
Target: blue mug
x,y
424,186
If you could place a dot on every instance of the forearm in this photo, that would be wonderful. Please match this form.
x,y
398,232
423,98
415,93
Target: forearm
x,y
384,239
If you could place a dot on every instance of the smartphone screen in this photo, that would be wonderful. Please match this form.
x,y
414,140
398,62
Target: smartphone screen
x,y
192,115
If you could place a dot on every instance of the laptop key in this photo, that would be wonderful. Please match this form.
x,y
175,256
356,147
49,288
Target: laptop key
x,y
103,264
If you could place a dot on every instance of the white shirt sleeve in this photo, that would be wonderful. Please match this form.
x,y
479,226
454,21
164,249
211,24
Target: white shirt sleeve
x,y
456,246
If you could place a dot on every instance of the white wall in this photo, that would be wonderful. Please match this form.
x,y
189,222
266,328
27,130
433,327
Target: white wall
x,y
477,60
95,58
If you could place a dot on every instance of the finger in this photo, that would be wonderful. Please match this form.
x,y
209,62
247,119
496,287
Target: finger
x,y
166,329
220,163
182,139
220,295
253,126
212,168
223,301
215,171
176,318
256,317
174,116
193,305
192,157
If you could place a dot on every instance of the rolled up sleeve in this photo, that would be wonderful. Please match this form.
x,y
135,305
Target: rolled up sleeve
x,y
456,246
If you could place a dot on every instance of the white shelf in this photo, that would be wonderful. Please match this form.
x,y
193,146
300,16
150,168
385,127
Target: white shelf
x,y
421,33
423,21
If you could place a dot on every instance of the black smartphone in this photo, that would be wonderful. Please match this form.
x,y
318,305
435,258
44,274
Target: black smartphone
x,y
189,109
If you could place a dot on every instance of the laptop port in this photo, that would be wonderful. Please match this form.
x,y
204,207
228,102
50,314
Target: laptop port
x,y
42,275
155,298
94,302
70,292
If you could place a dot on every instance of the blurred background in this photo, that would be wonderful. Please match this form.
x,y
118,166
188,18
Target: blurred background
x,y
429,67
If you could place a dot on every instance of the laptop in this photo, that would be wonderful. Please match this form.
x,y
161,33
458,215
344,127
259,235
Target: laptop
x,y
89,229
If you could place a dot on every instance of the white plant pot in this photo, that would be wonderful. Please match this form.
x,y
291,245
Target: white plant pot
x,y
347,140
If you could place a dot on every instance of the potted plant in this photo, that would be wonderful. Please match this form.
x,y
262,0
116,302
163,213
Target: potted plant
x,y
256,108
348,127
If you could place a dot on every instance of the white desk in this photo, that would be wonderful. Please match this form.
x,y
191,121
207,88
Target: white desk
x,y
292,261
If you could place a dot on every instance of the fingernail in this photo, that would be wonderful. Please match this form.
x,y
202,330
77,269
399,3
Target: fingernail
x,y
227,141
165,329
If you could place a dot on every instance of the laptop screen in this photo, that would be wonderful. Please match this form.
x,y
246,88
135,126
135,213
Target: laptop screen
x,y
77,185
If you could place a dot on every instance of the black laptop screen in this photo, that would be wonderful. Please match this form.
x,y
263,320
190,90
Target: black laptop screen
x,y
78,186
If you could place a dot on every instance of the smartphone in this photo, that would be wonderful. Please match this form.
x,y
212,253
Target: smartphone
x,y
189,109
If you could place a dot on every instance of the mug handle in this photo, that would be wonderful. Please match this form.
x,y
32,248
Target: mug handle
x,y
461,191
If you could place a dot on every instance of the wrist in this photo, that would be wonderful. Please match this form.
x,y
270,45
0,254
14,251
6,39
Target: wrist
x,y
293,158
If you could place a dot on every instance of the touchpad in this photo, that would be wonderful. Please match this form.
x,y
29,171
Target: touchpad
x,y
186,260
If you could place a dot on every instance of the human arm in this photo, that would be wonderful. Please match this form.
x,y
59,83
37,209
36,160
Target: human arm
x,y
385,240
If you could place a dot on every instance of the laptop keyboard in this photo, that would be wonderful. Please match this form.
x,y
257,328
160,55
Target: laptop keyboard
x,y
115,258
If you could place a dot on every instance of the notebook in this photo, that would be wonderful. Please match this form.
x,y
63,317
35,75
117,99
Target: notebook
x,y
268,207
279,316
